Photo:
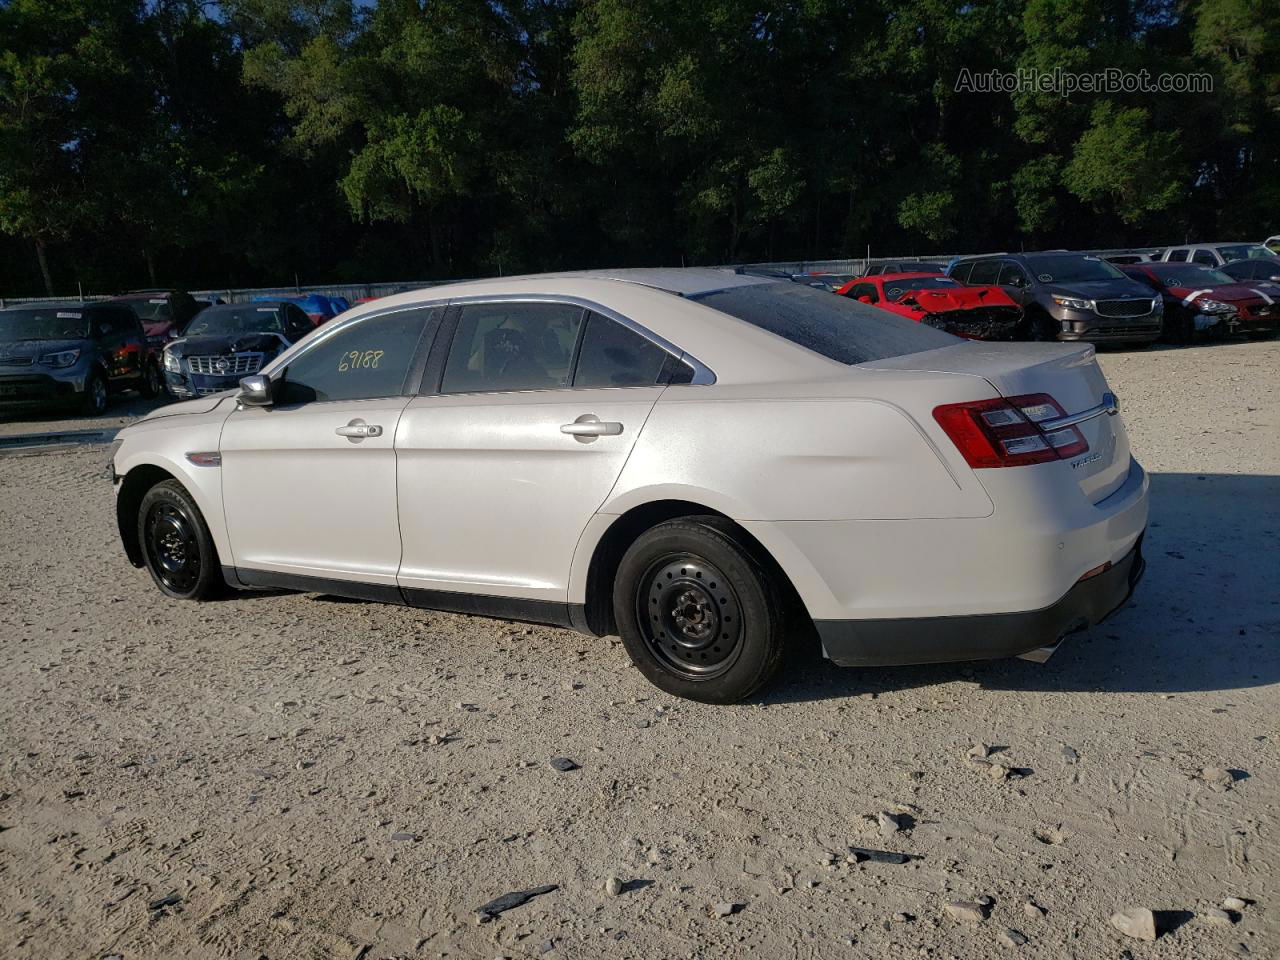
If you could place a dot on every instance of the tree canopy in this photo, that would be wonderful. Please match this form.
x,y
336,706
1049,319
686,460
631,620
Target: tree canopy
x,y
177,142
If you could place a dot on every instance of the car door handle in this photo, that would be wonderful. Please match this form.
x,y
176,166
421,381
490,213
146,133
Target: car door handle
x,y
588,426
357,430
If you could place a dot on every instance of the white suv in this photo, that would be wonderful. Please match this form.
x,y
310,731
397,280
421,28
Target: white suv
x,y
712,465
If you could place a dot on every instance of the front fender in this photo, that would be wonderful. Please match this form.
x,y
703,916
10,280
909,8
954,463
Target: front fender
x,y
163,444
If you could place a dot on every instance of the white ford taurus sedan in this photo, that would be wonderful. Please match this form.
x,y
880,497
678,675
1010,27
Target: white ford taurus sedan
x,y
712,465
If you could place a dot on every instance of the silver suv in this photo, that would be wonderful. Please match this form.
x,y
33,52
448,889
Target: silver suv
x,y
1215,254
1068,296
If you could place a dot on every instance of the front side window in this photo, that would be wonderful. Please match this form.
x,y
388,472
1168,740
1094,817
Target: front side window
x,y
365,361
961,271
613,356
512,346
1205,257
1012,275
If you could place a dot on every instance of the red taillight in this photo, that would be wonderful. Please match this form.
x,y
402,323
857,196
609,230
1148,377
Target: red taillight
x,y
1005,432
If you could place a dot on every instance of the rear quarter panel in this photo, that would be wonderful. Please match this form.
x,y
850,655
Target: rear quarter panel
x,y
861,446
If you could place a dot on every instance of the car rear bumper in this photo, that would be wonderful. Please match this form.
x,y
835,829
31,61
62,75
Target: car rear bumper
x,y
859,643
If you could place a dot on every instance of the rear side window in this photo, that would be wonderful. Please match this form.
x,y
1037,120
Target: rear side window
x,y
835,327
1177,256
613,356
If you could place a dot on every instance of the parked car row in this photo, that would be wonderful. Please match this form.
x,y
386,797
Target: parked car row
x,y
79,354
1133,298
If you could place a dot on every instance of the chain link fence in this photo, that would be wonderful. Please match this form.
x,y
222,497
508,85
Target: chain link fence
x,y
854,266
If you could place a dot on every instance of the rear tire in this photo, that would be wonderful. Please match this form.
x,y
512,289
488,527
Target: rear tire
x,y
699,615
176,544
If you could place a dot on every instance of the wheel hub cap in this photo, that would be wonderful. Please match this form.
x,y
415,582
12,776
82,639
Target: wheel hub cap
x,y
172,547
688,615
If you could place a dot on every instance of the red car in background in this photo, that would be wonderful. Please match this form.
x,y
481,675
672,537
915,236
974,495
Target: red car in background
x,y
977,313
1200,299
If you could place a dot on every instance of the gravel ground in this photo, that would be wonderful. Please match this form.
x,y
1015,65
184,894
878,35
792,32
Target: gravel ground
x,y
293,776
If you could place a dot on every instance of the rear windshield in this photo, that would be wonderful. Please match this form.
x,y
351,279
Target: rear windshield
x,y
150,309
838,328
44,323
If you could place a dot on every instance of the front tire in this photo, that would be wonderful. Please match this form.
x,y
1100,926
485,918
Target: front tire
x,y
1039,327
94,403
151,385
176,544
699,615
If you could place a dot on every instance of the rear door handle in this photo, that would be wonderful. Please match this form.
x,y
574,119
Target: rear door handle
x,y
357,430
588,426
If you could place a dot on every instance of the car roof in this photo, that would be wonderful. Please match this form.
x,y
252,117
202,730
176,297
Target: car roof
x,y
57,305
665,300
682,281
250,303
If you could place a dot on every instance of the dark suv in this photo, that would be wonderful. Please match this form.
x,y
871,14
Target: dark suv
x,y
1069,296
73,354
164,313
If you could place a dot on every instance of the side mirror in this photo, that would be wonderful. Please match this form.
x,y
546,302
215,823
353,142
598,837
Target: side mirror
x,y
864,299
255,391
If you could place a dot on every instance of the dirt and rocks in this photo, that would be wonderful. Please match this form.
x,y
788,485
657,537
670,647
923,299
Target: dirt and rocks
x,y
294,776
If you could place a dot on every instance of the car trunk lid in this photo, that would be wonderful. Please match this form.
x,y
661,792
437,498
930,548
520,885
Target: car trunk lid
x,y
1069,373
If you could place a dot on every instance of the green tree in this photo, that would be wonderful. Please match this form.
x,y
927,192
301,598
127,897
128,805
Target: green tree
x,y
1122,164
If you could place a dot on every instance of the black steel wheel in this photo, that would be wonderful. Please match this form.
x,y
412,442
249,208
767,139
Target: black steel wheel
x,y
176,544
689,616
698,611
